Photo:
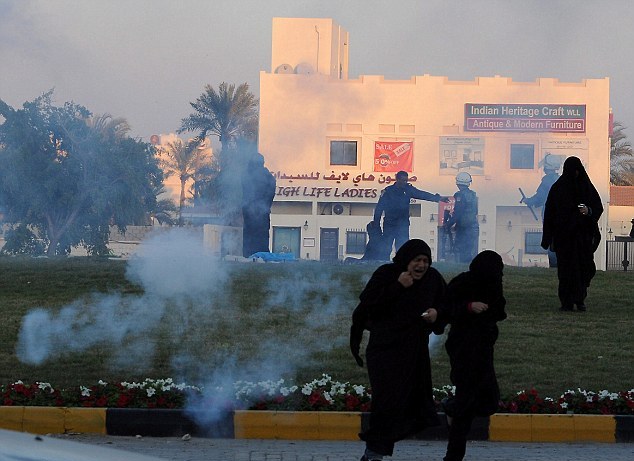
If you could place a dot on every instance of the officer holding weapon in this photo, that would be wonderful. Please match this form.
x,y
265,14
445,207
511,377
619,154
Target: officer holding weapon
x,y
538,200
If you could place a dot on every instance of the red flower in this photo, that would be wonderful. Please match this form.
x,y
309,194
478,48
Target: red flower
x,y
123,401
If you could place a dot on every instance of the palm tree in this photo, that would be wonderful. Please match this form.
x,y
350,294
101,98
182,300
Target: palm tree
x,y
621,157
232,115
228,114
163,209
183,159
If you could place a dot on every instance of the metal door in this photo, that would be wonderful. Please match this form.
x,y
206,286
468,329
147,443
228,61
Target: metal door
x,y
329,244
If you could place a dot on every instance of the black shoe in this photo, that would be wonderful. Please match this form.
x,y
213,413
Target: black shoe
x,y
565,308
581,307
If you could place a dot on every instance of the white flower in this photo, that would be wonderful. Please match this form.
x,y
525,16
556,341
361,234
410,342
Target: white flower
x,y
563,405
85,392
360,390
307,389
103,383
45,387
328,398
150,391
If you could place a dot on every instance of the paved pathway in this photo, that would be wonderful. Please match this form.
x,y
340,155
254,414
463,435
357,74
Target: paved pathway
x,y
203,449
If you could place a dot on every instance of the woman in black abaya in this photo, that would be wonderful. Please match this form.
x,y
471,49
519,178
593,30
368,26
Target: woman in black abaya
x,y
398,306
474,304
571,229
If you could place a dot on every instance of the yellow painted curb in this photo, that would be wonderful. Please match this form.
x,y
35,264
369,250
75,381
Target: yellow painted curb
x,y
339,425
552,428
303,425
86,420
11,418
595,428
510,428
43,420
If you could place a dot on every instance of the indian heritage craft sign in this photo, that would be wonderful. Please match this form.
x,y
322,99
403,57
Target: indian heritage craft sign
x,y
554,118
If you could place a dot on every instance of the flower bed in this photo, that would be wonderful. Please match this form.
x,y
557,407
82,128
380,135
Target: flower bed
x,y
323,394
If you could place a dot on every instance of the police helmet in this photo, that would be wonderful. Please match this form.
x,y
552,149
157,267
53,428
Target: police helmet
x,y
551,163
463,179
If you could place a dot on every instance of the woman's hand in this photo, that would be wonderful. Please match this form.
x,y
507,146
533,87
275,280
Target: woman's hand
x,y
478,307
406,279
430,315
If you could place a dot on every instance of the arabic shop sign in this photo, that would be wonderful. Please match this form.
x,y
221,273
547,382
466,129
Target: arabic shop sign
x,y
319,191
341,177
554,118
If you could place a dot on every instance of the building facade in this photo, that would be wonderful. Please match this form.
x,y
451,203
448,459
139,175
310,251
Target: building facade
x,y
334,143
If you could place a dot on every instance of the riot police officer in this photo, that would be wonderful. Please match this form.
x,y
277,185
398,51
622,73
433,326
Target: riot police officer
x,y
464,219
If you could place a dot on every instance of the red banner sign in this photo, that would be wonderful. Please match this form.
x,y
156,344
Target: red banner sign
x,y
393,156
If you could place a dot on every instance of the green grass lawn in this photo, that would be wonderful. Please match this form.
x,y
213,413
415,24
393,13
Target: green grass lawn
x,y
265,321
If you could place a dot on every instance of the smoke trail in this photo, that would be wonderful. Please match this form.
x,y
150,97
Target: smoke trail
x,y
188,295
174,272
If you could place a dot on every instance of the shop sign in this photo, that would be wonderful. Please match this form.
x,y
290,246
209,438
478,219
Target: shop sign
x,y
554,118
393,156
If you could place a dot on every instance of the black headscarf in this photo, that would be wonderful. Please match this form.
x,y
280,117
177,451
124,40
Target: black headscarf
x,y
487,264
575,175
487,271
409,250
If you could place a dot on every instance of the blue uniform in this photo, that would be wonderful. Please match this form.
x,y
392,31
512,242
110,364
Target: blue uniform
x,y
394,204
465,221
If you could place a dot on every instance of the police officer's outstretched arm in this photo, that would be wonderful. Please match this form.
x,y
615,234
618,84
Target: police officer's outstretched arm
x,y
423,195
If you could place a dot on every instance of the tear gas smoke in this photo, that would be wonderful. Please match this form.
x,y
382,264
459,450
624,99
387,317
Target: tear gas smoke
x,y
188,293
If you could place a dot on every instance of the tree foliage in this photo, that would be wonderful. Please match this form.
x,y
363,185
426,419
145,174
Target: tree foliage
x,y
183,159
621,157
231,114
68,175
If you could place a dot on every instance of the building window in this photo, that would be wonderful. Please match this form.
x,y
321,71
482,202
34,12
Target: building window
x,y
355,242
522,156
343,152
533,243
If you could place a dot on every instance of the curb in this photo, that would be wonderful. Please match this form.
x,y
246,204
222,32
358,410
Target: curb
x,y
304,425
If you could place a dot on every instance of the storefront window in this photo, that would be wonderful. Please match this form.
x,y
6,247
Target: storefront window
x,y
532,243
522,156
355,242
343,152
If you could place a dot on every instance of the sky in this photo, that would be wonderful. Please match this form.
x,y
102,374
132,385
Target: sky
x,y
146,60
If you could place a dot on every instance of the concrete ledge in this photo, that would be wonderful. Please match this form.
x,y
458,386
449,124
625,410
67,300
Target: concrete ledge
x,y
552,428
300,425
304,425
53,420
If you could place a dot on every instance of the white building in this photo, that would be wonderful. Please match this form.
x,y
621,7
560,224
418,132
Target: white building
x,y
335,142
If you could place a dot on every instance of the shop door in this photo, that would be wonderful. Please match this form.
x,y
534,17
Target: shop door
x,y
329,244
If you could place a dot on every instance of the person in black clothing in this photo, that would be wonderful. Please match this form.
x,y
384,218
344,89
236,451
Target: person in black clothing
x,y
398,306
258,191
394,204
571,230
473,306
464,219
